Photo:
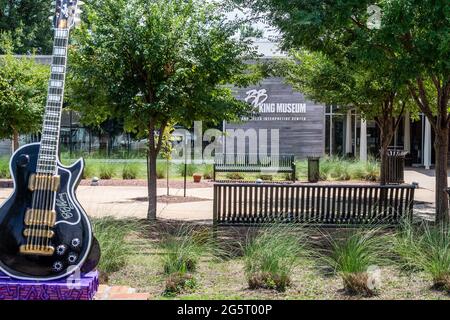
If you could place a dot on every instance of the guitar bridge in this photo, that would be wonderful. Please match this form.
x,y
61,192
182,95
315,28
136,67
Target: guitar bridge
x,y
37,250
44,182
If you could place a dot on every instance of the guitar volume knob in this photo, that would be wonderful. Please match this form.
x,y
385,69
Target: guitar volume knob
x,y
75,243
72,258
57,266
61,249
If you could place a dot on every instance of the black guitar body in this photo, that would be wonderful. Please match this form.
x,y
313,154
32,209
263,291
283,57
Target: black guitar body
x,y
73,241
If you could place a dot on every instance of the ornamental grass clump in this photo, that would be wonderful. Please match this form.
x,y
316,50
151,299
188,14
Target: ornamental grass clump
x,y
354,257
426,248
4,169
106,171
271,257
115,250
130,171
181,252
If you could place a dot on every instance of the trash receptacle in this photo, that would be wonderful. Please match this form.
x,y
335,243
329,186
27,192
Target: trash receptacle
x,y
396,166
313,169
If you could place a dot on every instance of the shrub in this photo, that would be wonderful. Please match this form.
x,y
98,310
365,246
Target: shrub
x,y
106,171
352,257
130,171
426,248
265,177
181,251
161,170
4,169
234,176
88,171
190,169
111,235
208,171
271,257
372,170
177,283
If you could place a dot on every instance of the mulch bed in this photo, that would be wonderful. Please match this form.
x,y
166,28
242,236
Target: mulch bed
x,y
162,183
172,199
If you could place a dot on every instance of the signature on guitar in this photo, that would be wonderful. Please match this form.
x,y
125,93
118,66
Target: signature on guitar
x,y
64,206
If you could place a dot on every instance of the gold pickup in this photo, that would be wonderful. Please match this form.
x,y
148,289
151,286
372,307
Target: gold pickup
x,y
37,250
44,182
39,217
39,233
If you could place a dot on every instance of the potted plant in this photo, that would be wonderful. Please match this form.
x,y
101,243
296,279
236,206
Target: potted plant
x,y
197,177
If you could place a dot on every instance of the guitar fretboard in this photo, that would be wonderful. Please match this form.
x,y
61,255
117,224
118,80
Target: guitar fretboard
x,y
48,153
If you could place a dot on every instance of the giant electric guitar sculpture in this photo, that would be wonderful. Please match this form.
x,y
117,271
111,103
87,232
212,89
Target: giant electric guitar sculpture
x,y
44,232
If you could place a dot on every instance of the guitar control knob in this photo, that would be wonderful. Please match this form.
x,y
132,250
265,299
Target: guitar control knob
x,y
72,258
57,266
61,249
75,242
23,160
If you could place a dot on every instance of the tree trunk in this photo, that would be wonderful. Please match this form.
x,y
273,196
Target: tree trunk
x,y
386,134
15,140
441,150
151,174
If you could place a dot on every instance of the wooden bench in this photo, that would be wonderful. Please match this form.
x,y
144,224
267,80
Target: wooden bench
x,y
254,163
328,205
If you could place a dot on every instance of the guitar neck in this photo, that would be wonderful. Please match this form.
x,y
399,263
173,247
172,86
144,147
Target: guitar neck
x,y
48,154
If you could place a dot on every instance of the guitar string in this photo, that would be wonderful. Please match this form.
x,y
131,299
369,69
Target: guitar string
x,y
42,194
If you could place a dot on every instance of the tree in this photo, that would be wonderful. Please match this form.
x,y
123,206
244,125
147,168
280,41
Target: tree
x,y
347,85
411,38
23,90
152,63
27,23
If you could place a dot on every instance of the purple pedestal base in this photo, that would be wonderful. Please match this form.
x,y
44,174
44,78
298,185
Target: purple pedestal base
x,y
70,288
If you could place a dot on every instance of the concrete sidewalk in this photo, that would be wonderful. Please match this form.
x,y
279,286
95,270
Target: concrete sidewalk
x,y
123,202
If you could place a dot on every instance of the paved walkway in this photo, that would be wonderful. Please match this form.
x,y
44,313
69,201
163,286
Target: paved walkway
x,y
106,292
123,202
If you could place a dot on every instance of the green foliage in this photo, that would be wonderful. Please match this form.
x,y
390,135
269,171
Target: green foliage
x,y
265,177
4,169
208,171
356,252
271,256
426,248
234,176
153,77
23,89
161,170
191,168
340,169
106,171
26,23
88,172
130,171
177,283
182,249
115,250
352,257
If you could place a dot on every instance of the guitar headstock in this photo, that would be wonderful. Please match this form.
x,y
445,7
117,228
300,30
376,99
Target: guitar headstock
x,y
66,13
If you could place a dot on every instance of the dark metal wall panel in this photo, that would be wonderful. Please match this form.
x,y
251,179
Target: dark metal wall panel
x,y
300,132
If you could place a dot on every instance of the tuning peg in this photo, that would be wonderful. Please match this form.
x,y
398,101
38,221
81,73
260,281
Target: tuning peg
x,y
80,3
78,11
51,18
